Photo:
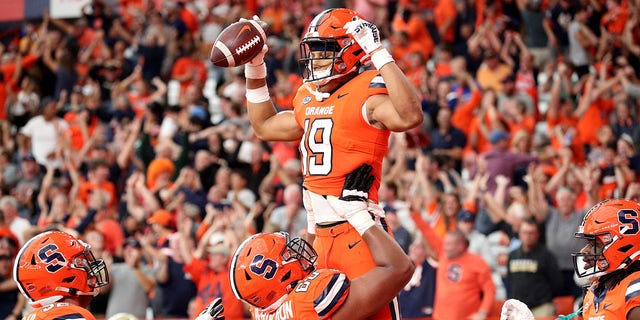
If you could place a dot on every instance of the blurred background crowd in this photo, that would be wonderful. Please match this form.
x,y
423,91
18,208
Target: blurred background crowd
x,y
114,126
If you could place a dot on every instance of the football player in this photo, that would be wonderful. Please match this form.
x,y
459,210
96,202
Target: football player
x,y
276,275
343,117
611,230
59,276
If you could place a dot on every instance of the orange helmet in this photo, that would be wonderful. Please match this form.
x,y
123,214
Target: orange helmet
x,y
612,229
327,36
267,266
55,264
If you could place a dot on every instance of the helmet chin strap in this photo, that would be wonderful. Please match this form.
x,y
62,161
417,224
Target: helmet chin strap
x,y
77,292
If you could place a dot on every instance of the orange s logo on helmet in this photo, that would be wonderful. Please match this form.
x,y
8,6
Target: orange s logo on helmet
x,y
55,264
612,231
54,259
266,267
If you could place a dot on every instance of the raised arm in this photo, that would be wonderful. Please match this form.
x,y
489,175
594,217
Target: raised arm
x,y
378,286
267,123
401,109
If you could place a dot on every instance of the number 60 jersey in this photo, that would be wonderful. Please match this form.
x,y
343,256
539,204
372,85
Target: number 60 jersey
x,y
317,296
337,136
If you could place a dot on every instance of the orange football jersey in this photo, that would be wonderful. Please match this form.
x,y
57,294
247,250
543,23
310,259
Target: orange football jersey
x,y
614,303
60,311
317,296
337,138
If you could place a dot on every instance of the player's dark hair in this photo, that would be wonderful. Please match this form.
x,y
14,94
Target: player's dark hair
x,y
612,279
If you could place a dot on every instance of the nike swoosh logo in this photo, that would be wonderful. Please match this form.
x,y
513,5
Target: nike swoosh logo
x,y
342,95
606,305
351,245
243,29
598,222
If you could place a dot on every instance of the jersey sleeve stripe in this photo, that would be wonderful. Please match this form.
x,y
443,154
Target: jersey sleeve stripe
x,y
377,82
633,290
72,316
331,295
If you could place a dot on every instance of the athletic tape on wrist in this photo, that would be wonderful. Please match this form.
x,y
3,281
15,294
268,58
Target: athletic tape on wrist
x,y
258,95
255,72
380,58
361,221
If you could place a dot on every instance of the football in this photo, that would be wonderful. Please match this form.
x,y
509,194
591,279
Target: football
x,y
237,44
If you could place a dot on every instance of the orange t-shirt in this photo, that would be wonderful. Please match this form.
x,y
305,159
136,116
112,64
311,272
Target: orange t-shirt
x,y
211,285
190,20
7,72
417,76
106,186
275,16
196,68
112,233
482,143
286,102
464,281
443,11
463,114
528,123
128,8
417,32
492,79
402,54
595,117
337,139
615,20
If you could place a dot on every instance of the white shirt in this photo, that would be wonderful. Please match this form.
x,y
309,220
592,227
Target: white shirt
x,y
45,136
18,226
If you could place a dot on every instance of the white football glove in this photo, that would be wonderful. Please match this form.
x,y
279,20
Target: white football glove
x,y
513,309
365,33
214,311
352,204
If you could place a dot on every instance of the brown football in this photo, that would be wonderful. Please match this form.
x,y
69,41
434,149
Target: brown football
x,y
237,44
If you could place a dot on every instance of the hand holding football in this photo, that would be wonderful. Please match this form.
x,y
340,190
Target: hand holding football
x,y
238,43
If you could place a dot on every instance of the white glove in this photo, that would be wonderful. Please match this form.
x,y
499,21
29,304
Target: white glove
x,y
513,309
352,204
365,33
214,311
367,36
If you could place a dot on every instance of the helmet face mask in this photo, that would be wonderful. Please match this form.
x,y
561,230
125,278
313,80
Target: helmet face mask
x,y
95,268
266,267
327,41
611,230
590,260
301,251
54,265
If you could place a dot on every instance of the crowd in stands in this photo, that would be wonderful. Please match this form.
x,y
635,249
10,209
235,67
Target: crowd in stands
x,y
115,127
